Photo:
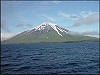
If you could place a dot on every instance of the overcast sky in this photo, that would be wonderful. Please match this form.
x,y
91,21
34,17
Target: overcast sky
x,y
77,16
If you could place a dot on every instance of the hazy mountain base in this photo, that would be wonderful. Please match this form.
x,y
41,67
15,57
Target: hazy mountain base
x,y
48,37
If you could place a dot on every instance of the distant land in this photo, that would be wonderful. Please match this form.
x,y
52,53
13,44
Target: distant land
x,y
48,32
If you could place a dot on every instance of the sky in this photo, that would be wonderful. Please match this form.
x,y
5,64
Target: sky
x,y
77,16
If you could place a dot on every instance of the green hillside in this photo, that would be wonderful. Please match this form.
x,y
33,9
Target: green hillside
x,y
51,37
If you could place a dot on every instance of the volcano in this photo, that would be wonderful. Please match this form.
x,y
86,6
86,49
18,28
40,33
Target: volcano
x,y
47,32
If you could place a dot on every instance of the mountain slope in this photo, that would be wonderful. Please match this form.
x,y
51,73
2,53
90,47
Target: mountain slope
x,y
47,32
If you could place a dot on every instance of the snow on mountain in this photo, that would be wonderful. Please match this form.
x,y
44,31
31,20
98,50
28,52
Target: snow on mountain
x,y
62,30
46,25
55,28
41,26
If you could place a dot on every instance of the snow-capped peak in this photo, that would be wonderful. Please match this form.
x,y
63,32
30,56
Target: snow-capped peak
x,y
41,26
47,25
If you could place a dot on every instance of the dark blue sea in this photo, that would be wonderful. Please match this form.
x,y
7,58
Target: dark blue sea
x,y
50,58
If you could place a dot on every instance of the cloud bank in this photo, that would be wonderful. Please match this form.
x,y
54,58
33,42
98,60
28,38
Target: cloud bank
x,y
90,19
5,36
86,33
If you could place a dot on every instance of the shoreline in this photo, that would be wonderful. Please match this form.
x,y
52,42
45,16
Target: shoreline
x,y
50,42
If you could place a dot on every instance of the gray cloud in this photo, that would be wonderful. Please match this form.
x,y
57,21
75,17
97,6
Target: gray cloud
x,y
19,25
29,25
93,18
68,16
23,25
4,26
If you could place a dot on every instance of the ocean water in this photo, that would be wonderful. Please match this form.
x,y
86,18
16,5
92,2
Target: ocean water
x,y
50,58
